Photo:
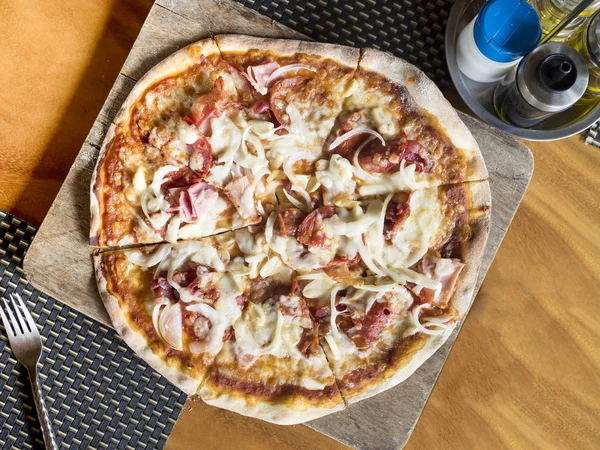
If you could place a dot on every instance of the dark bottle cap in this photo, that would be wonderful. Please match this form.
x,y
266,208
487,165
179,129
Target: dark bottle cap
x,y
552,77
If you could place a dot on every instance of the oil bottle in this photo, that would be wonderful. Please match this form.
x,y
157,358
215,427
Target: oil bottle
x,y
586,40
548,80
552,11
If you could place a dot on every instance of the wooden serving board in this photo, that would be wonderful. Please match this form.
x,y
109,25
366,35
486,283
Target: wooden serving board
x,y
59,262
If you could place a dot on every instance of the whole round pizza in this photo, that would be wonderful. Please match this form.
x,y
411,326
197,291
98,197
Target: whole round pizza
x,y
287,227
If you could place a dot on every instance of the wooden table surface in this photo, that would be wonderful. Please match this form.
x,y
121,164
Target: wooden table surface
x,y
525,370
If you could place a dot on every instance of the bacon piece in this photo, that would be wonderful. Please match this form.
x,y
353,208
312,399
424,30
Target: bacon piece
x,y
444,270
241,193
195,324
161,288
203,287
180,178
416,154
200,156
309,342
279,92
213,102
228,334
260,107
258,76
242,301
347,147
292,305
289,220
373,323
375,158
396,214
311,232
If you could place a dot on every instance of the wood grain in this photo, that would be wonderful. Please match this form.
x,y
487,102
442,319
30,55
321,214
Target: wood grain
x,y
523,372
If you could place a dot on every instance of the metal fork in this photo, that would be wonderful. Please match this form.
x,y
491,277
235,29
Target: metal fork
x,y
26,344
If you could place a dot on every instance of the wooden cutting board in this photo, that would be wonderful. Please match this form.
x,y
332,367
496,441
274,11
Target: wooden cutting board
x,y
59,262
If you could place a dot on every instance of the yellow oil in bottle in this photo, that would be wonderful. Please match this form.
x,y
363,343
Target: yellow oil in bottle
x,y
551,12
580,41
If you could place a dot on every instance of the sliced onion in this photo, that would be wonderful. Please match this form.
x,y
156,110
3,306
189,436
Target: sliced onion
x,y
207,311
158,179
260,208
156,313
440,322
364,254
170,326
142,259
354,132
269,227
285,69
173,229
298,204
375,288
141,221
304,195
359,170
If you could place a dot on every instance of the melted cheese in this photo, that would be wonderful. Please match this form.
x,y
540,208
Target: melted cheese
x,y
226,138
337,179
419,233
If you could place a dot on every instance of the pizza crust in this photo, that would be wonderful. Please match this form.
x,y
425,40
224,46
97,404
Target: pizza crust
x,y
427,96
279,414
480,222
348,56
95,194
135,340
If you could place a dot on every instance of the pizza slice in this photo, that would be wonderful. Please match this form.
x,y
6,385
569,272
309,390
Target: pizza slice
x,y
396,132
184,158
302,85
422,258
175,305
273,367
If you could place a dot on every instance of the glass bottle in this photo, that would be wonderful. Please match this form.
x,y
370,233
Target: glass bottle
x,y
586,40
552,11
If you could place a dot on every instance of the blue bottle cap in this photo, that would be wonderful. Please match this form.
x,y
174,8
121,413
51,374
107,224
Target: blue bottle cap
x,y
506,30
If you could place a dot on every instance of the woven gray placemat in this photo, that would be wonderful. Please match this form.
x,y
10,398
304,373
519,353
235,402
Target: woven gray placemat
x,y
411,29
98,393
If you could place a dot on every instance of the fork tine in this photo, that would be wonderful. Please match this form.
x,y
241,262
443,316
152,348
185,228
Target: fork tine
x,y
22,322
26,312
13,321
5,321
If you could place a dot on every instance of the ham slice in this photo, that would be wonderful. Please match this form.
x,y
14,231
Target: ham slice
x,y
259,76
196,200
241,193
444,270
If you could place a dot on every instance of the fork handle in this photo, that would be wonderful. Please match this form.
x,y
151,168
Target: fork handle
x,y
41,410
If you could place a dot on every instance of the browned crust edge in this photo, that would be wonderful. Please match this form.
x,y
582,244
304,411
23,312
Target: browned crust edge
x,y
428,97
348,56
413,356
135,340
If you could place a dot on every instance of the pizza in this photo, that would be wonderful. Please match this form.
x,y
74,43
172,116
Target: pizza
x,y
285,227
